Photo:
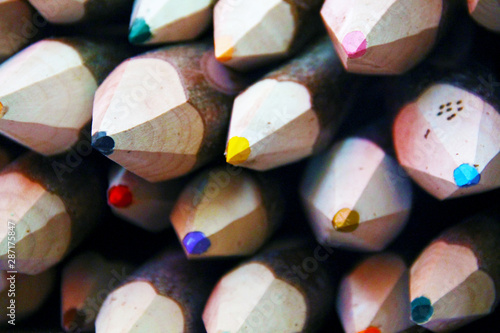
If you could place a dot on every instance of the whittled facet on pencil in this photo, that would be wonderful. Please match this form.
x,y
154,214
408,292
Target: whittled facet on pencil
x,y
79,11
290,114
486,13
226,212
15,26
86,281
51,85
252,33
147,205
373,298
29,294
167,21
448,138
382,37
51,206
456,279
163,114
273,293
356,196
167,294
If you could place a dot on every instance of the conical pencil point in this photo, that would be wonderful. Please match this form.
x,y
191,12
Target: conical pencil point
x,y
238,150
371,330
466,175
139,32
120,196
421,310
74,320
354,44
196,243
103,143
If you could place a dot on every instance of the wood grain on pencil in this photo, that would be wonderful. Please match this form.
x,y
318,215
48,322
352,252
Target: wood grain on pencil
x,y
147,205
448,140
456,279
486,13
272,293
290,114
226,212
52,212
373,298
78,11
15,26
248,34
382,37
163,114
166,295
48,100
356,196
166,21
86,281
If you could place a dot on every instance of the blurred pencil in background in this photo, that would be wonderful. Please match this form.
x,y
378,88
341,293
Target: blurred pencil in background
x,y
16,26
486,13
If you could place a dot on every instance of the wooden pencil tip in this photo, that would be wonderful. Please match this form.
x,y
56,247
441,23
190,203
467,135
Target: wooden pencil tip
x,y
74,320
224,48
3,110
371,330
466,176
139,32
196,243
346,220
354,44
103,143
238,150
120,196
421,310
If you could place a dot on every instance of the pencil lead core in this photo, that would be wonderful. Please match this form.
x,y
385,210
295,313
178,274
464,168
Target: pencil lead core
x,y
103,143
139,32
196,243
3,110
224,48
346,220
354,44
74,320
120,196
421,310
238,150
466,176
371,330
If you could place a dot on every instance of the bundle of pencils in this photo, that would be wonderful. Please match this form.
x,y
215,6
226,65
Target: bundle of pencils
x,y
239,165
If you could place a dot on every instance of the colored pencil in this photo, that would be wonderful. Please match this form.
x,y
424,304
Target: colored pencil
x,y
183,97
290,114
383,37
79,11
21,295
48,100
373,298
166,295
448,137
284,289
147,205
86,281
249,34
356,195
486,13
226,212
15,22
457,277
50,207
166,21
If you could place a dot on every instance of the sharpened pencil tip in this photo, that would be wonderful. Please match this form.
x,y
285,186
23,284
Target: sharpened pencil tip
x,y
139,32
371,330
74,320
466,175
3,110
224,48
354,44
421,310
346,220
120,196
196,243
103,143
238,150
